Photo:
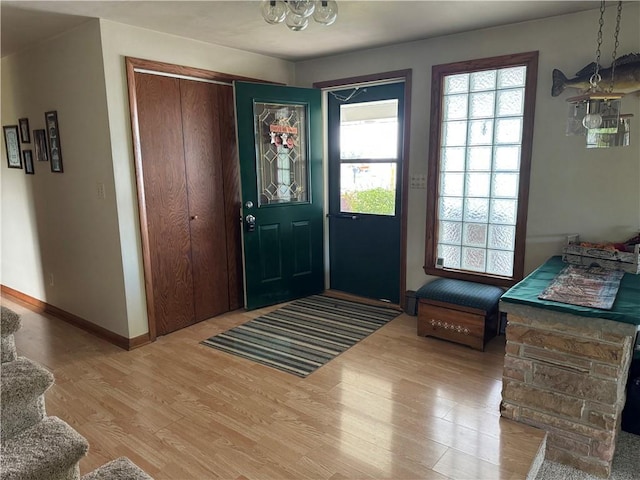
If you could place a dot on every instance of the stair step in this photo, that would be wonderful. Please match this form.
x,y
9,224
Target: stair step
x,y
7,349
24,378
49,450
9,321
9,324
119,469
23,384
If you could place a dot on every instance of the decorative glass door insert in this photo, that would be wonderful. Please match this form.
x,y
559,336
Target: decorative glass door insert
x,y
281,149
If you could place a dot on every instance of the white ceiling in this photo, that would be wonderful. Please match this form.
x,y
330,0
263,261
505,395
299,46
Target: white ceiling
x,y
239,24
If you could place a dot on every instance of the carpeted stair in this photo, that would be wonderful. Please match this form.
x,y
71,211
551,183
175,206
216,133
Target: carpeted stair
x,y
9,325
34,446
23,385
50,449
119,469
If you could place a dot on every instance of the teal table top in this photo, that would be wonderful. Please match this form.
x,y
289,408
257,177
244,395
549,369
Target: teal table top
x,y
626,307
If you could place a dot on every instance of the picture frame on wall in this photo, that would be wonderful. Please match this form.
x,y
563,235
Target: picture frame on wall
x,y
12,144
40,145
27,155
53,137
25,135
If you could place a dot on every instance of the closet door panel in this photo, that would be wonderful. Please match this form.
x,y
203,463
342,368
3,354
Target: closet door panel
x,y
232,202
165,194
203,160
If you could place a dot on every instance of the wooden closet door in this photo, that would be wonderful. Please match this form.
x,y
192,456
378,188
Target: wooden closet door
x,y
203,161
166,202
232,200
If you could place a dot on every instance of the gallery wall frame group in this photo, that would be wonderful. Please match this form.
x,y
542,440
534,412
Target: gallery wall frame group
x,y
46,144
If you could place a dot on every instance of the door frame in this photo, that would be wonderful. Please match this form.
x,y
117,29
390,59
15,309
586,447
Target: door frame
x,y
138,65
379,78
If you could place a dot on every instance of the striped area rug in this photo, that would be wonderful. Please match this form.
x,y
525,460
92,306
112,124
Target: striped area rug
x,y
303,335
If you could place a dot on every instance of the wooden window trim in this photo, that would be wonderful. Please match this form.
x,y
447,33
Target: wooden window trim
x,y
530,60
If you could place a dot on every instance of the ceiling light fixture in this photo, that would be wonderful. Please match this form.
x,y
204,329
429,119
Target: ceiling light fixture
x,y
596,113
296,13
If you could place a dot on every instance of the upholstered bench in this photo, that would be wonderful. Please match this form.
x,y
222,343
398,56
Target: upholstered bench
x,y
459,311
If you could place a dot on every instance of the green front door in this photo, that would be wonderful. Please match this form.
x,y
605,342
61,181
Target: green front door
x,y
280,151
366,131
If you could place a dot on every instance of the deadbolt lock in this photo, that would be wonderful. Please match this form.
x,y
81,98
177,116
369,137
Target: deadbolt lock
x,y
250,222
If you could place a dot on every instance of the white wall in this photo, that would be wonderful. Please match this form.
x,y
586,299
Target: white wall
x,y
54,224
573,190
118,42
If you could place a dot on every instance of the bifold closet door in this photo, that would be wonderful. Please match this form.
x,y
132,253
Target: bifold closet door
x,y
205,192
182,156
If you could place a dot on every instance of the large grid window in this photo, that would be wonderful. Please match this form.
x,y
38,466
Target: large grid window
x,y
480,150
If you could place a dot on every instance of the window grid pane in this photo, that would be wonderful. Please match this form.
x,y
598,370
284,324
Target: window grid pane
x,y
477,205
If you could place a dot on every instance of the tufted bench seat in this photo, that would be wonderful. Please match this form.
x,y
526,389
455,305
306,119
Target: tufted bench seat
x,y
459,311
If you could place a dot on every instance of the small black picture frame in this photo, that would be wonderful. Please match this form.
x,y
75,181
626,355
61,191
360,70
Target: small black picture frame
x,y
25,135
27,156
12,144
53,137
41,151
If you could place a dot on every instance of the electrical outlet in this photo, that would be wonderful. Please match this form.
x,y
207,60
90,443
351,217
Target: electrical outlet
x,y
51,279
101,191
418,181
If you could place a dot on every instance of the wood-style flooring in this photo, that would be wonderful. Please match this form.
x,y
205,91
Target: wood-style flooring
x,y
395,406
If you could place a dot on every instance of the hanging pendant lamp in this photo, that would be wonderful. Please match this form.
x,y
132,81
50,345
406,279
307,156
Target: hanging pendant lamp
x,y
596,113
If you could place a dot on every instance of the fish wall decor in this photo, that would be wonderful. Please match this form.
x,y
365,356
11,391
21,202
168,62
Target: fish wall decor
x,y
626,76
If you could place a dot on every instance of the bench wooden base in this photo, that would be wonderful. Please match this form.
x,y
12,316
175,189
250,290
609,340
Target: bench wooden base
x,y
464,325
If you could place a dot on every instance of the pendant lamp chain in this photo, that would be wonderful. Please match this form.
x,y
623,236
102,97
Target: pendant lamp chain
x,y
595,78
615,46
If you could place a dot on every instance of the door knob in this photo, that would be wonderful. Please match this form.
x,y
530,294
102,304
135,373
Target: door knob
x,y
194,217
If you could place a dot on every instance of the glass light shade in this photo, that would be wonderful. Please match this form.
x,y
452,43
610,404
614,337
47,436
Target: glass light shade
x,y
614,132
302,8
326,12
295,22
594,112
273,11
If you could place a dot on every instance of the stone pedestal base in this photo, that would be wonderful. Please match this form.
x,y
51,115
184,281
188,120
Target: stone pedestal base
x,y
566,374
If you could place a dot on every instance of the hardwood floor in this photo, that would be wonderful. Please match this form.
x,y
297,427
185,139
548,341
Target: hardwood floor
x,y
394,406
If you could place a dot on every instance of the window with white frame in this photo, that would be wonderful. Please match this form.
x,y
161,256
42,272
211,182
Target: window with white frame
x,y
479,159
